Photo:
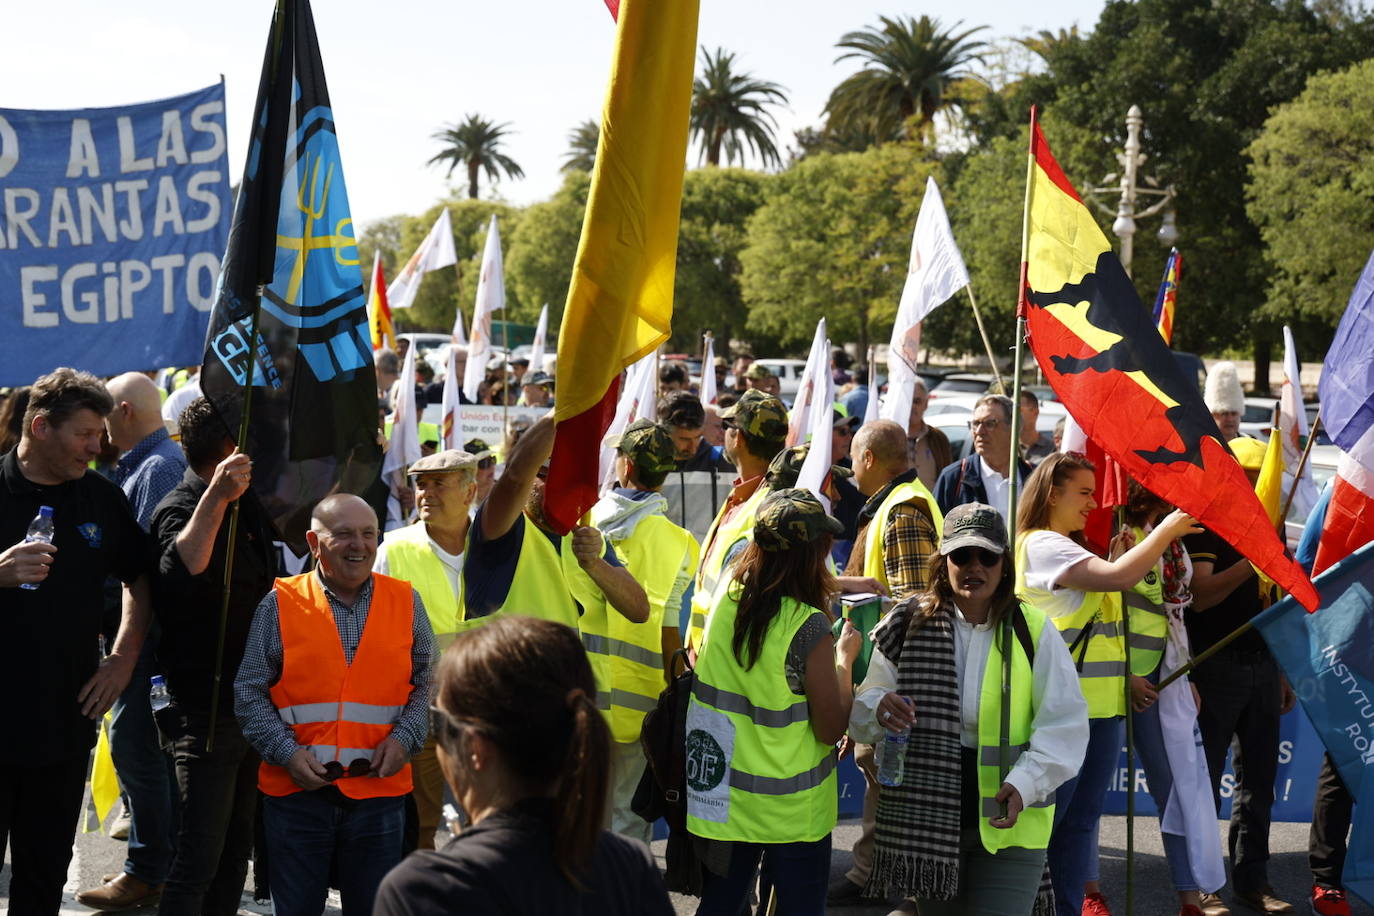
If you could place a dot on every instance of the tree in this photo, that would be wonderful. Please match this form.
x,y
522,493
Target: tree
x,y
382,236
542,249
716,207
1312,195
475,144
909,65
582,142
834,239
730,111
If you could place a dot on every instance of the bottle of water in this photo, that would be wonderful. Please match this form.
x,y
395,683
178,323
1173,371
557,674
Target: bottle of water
x,y
157,693
892,757
40,529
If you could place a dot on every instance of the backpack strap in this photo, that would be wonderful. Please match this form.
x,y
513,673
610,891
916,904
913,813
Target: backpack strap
x,y
1023,634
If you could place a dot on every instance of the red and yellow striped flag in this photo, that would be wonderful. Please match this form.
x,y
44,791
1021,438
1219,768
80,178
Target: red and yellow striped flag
x,y
378,311
620,302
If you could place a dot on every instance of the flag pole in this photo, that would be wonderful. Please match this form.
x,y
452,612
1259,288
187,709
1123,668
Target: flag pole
x,y
1302,464
232,538
1207,653
1130,741
987,344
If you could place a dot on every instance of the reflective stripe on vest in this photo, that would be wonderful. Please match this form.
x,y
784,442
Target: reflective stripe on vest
x,y
338,710
1149,622
755,770
410,557
1032,827
716,546
627,657
1100,657
911,491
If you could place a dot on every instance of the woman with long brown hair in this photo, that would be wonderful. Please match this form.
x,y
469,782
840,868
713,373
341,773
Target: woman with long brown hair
x,y
1081,592
967,670
526,753
772,697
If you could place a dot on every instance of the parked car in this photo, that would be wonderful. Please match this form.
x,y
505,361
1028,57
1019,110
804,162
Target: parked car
x,y
963,383
1322,461
788,371
1258,416
953,422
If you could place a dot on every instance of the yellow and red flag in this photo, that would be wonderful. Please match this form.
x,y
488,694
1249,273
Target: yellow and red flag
x,y
1101,352
1166,300
620,301
378,311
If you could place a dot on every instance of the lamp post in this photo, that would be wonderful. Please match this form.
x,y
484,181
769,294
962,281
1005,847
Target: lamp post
x,y
1128,183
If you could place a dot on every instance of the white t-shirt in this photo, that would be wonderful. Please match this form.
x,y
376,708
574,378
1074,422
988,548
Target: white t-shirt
x,y
1048,556
999,492
453,563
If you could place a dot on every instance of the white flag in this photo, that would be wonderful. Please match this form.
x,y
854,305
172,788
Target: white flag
x,y
540,333
434,252
404,447
451,418
636,402
457,335
491,297
817,364
1293,429
708,371
935,273
871,409
818,457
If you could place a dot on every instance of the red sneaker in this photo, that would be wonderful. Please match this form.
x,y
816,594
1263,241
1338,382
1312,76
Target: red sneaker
x,y
1095,905
1329,901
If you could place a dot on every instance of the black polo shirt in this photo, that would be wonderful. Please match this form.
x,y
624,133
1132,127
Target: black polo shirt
x,y
1243,603
49,637
188,606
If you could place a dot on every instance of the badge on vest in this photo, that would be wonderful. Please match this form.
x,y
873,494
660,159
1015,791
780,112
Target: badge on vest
x,y
91,532
710,746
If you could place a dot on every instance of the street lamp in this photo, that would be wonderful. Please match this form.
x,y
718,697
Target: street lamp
x,y
1128,184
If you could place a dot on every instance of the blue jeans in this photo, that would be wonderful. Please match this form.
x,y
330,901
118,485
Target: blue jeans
x,y
307,830
1078,808
797,872
146,775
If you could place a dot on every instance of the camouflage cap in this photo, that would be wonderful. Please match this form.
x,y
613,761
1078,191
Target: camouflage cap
x,y
443,462
786,466
974,525
791,518
647,444
757,371
478,448
758,414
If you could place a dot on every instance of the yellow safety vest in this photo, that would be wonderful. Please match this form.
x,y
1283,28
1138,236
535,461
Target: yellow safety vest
x,y
719,540
627,657
756,772
1032,828
547,583
410,557
1099,654
1149,623
911,491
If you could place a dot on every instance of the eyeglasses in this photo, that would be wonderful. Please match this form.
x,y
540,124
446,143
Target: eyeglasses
x,y
989,423
335,769
962,556
484,463
443,726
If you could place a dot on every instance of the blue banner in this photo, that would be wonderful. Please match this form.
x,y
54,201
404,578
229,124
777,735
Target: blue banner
x,y
113,223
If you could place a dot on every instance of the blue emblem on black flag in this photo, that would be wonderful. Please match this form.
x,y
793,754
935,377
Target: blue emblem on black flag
x,y
293,256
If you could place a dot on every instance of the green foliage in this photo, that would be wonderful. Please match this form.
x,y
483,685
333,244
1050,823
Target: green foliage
x,y
475,144
444,290
730,111
384,236
716,206
834,239
1312,195
542,249
582,142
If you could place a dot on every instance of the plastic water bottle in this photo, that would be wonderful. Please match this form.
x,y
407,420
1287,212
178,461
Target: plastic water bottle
x,y
157,693
892,757
40,530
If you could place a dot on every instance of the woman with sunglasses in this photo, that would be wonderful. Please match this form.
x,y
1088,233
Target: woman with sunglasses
x,y
1081,592
526,753
771,699
986,689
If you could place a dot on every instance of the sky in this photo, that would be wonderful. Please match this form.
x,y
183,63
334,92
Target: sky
x,y
400,70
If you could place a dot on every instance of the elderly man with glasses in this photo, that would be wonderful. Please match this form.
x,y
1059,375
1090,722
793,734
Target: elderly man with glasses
x,y
983,477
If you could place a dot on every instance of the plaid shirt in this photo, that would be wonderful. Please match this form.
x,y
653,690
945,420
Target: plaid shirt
x,y
261,668
909,544
148,471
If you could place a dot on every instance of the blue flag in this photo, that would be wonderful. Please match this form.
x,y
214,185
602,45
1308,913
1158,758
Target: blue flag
x,y
1329,659
1346,388
293,260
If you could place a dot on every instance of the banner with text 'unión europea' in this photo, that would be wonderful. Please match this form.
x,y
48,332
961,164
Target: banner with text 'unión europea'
x,y
112,226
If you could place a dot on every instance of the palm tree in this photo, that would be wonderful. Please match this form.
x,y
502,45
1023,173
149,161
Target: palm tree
x,y
729,110
1046,44
582,142
909,66
475,143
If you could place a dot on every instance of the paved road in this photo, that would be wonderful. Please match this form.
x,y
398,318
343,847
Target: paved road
x,y
96,855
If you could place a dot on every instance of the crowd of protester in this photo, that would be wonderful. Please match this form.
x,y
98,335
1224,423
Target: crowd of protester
x,y
475,678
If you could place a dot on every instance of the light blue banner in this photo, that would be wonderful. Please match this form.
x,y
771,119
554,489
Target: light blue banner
x,y
113,223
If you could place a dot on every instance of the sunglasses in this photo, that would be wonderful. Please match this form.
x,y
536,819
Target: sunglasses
x,y
962,556
336,770
442,724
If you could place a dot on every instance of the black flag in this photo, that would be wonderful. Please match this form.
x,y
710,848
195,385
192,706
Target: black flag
x,y
292,255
